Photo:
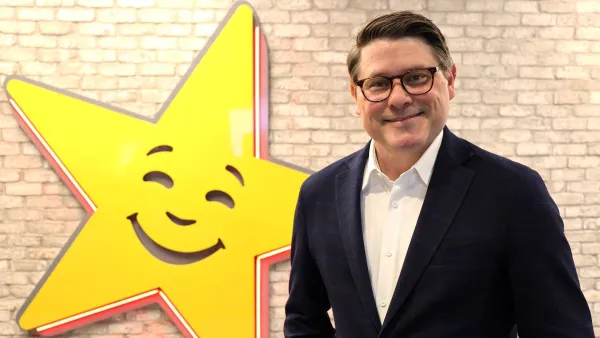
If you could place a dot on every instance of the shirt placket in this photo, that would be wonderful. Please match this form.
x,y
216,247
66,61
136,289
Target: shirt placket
x,y
389,249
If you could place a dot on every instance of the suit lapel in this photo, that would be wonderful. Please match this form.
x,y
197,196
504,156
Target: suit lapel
x,y
447,188
348,186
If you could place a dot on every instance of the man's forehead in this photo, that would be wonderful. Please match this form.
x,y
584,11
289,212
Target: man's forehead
x,y
395,56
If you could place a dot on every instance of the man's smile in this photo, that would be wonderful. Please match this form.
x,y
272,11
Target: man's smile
x,y
167,255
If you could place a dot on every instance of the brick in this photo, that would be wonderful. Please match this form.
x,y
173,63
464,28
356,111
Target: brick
x,y
516,110
157,69
518,59
193,44
75,14
584,136
290,83
10,175
97,28
135,29
561,33
588,20
98,82
35,14
291,30
141,3
332,4
590,6
55,28
465,45
569,149
572,46
531,149
587,110
23,189
518,84
499,97
588,33
309,17
553,6
7,13
309,69
566,97
294,137
481,58
76,42
312,97
152,42
122,15
205,30
37,41
8,40
446,6
584,161
18,214
484,6
515,136
116,69
521,6
543,19
17,27
464,19
572,72
592,174
538,46
156,15
347,16
64,214
507,19
483,32
293,4
467,97
566,198
534,98
586,59
9,148
21,161
461,124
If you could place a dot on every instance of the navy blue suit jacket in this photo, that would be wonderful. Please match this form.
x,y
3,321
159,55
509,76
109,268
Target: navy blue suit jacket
x,y
488,253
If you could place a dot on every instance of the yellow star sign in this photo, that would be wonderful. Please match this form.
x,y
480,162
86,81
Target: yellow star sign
x,y
186,210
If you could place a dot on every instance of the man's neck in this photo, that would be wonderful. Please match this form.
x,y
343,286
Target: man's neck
x,y
395,163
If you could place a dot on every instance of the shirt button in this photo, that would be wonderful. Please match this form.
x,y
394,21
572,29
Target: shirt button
x,y
395,204
383,303
389,254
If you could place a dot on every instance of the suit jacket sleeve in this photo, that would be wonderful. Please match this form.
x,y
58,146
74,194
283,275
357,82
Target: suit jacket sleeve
x,y
308,302
547,298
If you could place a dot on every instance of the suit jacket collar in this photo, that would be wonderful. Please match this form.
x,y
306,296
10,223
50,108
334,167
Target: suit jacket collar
x,y
448,185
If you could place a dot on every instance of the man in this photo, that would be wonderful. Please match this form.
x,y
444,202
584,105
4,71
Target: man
x,y
422,234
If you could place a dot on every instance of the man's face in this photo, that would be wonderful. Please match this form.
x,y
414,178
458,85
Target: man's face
x,y
383,121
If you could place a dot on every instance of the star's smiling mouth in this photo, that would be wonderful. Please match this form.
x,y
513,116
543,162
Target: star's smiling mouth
x,y
167,255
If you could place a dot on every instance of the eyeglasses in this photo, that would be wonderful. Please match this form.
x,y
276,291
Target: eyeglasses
x,y
414,82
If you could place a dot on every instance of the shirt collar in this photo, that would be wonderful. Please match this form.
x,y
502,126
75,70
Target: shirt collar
x,y
424,166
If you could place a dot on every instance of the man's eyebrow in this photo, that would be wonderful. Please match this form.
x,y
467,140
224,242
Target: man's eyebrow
x,y
159,149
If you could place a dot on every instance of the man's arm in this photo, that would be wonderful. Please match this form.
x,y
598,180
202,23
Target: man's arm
x,y
547,297
308,303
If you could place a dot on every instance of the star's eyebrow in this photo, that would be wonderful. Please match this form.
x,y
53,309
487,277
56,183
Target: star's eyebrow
x,y
159,149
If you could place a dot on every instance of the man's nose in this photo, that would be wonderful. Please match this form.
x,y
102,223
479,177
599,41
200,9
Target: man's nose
x,y
398,96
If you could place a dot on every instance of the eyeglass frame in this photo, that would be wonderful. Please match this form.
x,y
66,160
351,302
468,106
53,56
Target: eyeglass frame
x,y
432,70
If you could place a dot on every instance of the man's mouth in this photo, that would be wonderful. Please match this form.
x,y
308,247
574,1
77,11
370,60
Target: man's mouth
x,y
167,255
403,118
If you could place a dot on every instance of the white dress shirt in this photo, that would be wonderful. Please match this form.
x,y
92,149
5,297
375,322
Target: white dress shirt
x,y
389,214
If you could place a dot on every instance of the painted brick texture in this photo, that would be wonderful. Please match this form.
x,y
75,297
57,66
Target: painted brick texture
x,y
528,88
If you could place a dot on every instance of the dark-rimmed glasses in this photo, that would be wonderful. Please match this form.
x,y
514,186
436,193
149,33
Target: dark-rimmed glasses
x,y
415,82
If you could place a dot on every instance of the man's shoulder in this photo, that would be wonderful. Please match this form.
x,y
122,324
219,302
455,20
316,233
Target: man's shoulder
x,y
324,179
501,168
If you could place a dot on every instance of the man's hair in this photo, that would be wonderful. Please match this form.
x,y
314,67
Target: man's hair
x,y
395,26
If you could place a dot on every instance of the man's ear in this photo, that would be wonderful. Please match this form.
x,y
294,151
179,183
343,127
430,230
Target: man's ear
x,y
354,92
451,77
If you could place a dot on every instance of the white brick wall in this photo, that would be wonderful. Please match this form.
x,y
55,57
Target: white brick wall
x,y
528,88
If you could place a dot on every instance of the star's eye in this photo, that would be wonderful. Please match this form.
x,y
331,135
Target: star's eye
x,y
160,178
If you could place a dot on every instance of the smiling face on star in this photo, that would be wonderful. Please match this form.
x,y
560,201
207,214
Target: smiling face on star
x,y
173,224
